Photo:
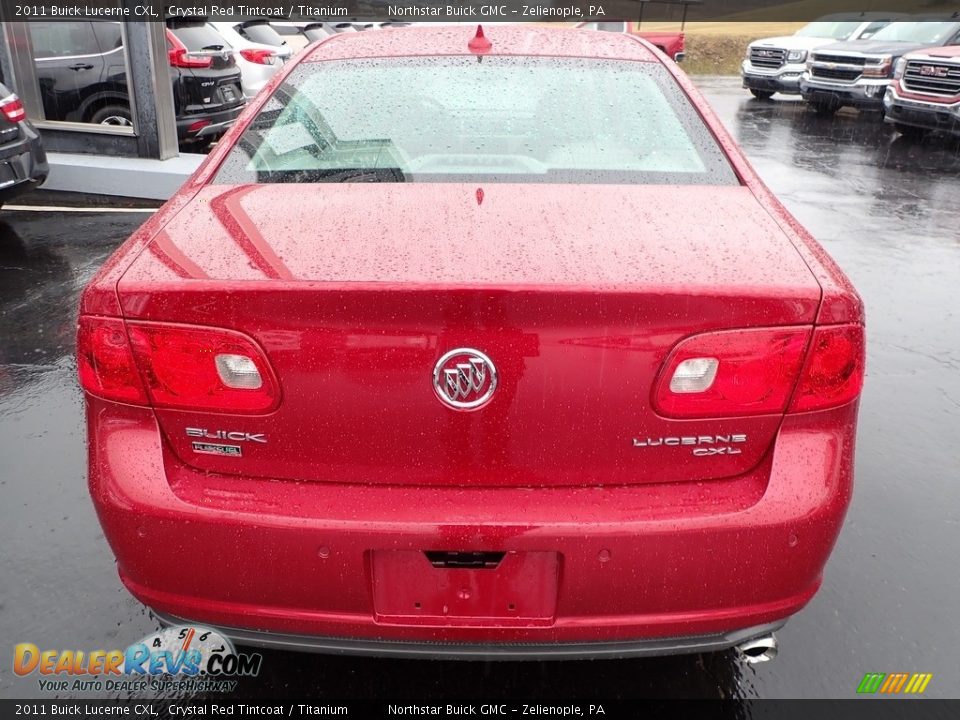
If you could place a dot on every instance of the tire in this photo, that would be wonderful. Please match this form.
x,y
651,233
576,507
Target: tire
x,y
761,94
911,131
118,115
825,109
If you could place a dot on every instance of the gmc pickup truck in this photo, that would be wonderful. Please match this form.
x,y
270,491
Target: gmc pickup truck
x,y
670,43
925,92
857,73
774,65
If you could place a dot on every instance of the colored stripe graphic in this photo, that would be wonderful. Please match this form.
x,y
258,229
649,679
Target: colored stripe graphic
x,y
871,682
894,683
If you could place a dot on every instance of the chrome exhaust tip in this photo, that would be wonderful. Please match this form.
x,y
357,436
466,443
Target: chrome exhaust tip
x,y
758,650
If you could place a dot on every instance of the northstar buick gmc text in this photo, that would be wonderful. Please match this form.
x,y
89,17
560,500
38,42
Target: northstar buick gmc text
x,y
474,345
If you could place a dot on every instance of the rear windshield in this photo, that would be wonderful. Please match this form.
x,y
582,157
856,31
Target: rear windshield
x,y
198,36
262,33
453,119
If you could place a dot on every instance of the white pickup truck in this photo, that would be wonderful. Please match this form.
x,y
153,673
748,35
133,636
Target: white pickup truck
x,y
775,64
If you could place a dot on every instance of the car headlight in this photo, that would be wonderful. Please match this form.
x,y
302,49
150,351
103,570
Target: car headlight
x,y
796,56
746,54
878,66
899,68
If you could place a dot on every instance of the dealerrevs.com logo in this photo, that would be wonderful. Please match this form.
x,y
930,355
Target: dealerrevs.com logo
x,y
182,657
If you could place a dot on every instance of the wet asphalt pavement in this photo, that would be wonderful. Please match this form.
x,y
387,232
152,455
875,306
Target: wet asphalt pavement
x,y
886,210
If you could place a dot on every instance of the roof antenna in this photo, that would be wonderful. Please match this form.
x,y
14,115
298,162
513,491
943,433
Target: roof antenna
x,y
479,45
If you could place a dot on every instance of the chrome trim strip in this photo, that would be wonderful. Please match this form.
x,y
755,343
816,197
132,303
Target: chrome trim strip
x,y
48,58
490,651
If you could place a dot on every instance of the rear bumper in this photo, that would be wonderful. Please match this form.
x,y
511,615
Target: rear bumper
x,y
672,567
863,94
215,125
491,651
23,166
930,115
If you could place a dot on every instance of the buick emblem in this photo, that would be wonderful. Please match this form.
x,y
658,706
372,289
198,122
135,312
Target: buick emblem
x,y
464,379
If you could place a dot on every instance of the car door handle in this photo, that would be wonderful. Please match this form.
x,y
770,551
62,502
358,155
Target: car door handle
x,y
80,66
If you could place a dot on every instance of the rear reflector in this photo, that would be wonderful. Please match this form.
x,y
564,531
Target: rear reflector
x,y
197,125
105,362
200,368
12,109
731,373
833,374
174,366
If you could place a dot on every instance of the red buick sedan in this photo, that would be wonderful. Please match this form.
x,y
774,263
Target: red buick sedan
x,y
474,346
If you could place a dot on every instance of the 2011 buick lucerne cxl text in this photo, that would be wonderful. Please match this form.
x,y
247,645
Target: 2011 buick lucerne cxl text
x,y
474,345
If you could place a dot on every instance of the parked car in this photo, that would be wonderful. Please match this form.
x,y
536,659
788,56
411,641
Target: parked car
x,y
671,43
521,424
81,71
857,73
207,86
260,51
774,65
23,162
925,92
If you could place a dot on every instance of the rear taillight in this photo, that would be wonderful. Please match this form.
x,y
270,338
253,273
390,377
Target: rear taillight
x,y
755,372
105,362
174,366
199,368
179,57
833,372
259,56
731,373
12,109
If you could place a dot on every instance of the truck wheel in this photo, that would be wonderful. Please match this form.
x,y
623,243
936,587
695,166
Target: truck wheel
x,y
825,109
910,131
761,94
113,115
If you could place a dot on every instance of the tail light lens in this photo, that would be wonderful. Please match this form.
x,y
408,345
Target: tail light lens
x,y
13,109
207,369
833,374
754,372
731,373
179,56
105,361
259,56
174,366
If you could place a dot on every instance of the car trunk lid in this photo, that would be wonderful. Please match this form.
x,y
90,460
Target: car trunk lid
x,y
576,293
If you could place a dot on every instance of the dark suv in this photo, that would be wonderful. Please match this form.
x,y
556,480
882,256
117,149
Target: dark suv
x,y
81,71
23,163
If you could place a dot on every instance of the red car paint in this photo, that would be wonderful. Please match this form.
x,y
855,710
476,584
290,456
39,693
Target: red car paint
x,y
576,477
